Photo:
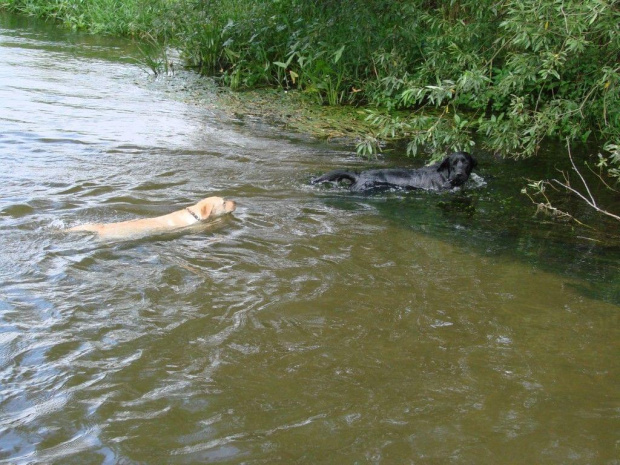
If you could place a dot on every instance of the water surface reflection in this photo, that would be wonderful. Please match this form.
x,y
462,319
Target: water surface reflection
x,y
312,326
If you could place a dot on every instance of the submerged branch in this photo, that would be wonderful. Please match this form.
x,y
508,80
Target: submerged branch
x,y
590,203
590,200
572,162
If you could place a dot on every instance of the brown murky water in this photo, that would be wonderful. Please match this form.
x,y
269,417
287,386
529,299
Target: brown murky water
x,y
312,326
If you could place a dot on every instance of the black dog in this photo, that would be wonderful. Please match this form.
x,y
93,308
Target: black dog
x,y
452,172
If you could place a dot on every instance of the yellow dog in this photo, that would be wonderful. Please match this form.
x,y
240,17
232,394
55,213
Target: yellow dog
x,y
211,207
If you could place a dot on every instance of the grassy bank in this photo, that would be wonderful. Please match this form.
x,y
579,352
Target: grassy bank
x,y
441,74
514,72
117,17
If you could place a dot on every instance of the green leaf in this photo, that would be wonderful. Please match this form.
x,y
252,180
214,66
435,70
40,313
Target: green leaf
x,y
294,76
338,54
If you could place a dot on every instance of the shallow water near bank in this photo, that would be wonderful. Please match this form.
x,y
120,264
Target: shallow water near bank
x,y
311,326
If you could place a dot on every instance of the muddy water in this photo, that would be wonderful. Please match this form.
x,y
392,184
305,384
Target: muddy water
x,y
312,326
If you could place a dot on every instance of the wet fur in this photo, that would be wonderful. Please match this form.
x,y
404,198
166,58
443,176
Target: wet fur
x,y
208,208
452,171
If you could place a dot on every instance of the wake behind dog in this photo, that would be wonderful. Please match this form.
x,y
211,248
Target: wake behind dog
x,y
209,208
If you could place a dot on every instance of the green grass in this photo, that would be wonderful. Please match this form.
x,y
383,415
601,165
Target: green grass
x,y
117,17
442,74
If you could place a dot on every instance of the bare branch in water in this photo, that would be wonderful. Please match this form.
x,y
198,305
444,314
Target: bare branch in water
x,y
590,198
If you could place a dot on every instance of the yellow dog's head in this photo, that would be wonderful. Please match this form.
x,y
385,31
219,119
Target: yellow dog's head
x,y
212,207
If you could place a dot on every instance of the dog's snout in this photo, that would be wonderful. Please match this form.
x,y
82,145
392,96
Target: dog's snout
x,y
230,205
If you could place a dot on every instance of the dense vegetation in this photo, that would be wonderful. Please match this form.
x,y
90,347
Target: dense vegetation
x,y
442,74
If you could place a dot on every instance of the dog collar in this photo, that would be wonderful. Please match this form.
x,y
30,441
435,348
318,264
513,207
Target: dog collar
x,y
193,214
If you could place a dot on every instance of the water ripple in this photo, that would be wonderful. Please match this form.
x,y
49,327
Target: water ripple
x,y
311,326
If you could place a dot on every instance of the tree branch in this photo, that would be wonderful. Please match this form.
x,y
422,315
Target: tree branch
x,y
580,195
572,162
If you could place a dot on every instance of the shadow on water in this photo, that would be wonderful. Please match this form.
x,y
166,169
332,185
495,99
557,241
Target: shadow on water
x,y
496,219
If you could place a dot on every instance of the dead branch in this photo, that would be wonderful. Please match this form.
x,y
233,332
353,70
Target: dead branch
x,y
590,198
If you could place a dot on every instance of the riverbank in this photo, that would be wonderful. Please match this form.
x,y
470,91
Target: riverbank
x,y
505,78
291,110
506,74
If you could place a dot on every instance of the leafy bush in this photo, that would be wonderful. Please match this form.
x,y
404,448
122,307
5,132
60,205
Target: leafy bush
x,y
515,73
443,74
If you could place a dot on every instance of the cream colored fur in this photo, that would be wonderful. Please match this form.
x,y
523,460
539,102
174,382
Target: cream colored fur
x,y
211,207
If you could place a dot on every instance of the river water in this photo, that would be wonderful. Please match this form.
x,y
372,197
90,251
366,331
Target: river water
x,y
311,326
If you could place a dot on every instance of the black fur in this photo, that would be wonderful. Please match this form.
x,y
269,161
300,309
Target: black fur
x,y
453,171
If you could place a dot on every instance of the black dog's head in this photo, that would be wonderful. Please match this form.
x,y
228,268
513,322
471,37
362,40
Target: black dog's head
x,y
457,167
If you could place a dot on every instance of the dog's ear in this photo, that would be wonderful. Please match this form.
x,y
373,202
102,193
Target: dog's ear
x,y
474,162
444,165
205,210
